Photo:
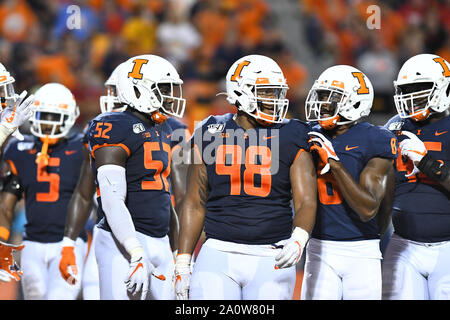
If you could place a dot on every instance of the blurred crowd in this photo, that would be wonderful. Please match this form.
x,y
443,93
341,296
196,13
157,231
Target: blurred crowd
x,y
204,37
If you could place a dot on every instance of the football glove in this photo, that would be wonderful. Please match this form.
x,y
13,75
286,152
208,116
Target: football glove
x,y
182,276
8,266
324,149
413,148
292,250
67,264
138,277
14,116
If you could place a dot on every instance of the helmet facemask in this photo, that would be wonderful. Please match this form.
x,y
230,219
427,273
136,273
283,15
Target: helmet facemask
x,y
7,94
323,105
110,102
50,123
266,103
170,98
412,100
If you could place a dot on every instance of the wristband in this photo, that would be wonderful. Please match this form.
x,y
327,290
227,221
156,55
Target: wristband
x,y
434,169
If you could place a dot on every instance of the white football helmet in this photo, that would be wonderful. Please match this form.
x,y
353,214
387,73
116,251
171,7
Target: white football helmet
x,y
108,102
56,110
151,84
7,94
422,87
255,83
342,94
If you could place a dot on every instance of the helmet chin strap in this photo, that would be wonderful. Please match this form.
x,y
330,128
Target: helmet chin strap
x,y
158,117
422,115
329,124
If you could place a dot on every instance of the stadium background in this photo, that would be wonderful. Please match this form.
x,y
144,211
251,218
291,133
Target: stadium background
x,y
202,38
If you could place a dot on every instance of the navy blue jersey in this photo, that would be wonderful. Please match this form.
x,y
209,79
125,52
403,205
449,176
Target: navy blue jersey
x,y
248,177
422,205
47,189
335,219
147,168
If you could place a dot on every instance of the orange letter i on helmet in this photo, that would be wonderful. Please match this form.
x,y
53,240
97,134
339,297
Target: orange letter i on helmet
x,y
237,72
136,72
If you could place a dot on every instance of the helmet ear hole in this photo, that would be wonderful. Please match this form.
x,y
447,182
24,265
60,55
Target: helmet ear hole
x,y
356,105
136,92
447,92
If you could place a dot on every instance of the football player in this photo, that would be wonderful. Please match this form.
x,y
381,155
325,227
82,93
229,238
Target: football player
x,y
45,167
417,258
354,160
245,170
80,208
131,161
81,202
14,112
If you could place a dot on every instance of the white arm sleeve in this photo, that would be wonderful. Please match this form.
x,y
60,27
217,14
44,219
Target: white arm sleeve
x,y
5,132
113,190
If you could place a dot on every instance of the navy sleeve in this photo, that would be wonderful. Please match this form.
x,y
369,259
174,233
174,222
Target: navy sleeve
x,y
11,153
394,124
298,135
111,130
383,143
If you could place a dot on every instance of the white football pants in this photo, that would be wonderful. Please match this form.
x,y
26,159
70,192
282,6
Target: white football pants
x,y
42,279
416,271
246,275
90,283
348,270
113,266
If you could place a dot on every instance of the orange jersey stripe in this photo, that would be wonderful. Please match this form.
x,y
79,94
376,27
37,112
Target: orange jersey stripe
x,y
124,147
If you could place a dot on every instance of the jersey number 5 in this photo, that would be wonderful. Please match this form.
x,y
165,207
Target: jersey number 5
x,y
152,164
53,178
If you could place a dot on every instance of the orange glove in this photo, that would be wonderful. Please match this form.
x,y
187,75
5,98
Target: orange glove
x,y
67,265
8,266
324,148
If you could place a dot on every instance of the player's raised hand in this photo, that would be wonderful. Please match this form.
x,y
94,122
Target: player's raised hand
x,y
292,251
414,149
9,270
15,115
67,264
182,276
324,149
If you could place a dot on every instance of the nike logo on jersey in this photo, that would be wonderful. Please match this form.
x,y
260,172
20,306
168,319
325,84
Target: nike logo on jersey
x,y
347,148
439,133
268,137
168,136
69,152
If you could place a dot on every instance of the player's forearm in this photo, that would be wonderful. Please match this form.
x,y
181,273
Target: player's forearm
x,y
359,199
305,217
5,223
191,226
112,184
5,132
384,212
77,215
174,229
